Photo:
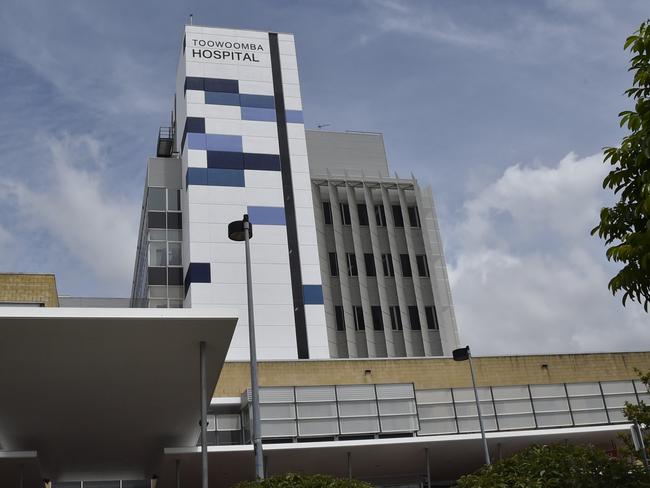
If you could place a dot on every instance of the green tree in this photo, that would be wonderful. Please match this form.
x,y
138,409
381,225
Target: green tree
x,y
558,466
641,414
626,226
292,480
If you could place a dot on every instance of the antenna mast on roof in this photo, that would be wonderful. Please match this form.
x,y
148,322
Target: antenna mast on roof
x,y
191,19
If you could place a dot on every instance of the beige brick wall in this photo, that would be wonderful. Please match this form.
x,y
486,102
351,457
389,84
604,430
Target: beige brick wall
x,y
438,372
35,288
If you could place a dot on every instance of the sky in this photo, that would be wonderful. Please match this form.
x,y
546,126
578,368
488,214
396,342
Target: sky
x,y
502,107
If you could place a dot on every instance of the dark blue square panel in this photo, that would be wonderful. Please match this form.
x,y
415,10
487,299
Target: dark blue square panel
x,y
222,98
221,85
265,162
197,273
312,294
197,176
194,83
195,124
259,101
225,160
225,177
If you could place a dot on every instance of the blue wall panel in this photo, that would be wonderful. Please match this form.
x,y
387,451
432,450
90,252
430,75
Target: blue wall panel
x,y
313,294
267,215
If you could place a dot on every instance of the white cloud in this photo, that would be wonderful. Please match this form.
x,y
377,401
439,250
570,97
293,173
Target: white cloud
x,y
96,226
526,275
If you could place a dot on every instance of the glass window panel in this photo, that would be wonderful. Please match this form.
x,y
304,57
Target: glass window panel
x,y
431,427
315,393
436,411
553,419
277,411
173,199
540,391
408,423
174,253
617,387
316,410
355,392
363,425
583,389
317,427
510,422
389,407
618,401
433,396
472,425
353,409
175,276
282,428
550,404
590,417
617,415
395,390
467,394
157,303
158,292
509,392
174,235
175,303
513,406
156,199
175,291
157,254
156,220
157,235
586,402
174,221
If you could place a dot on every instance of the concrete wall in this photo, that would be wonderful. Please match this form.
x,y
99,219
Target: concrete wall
x,y
29,288
341,152
438,372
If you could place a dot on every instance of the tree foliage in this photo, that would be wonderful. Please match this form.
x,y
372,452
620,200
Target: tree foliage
x,y
640,414
625,227
292,480
558,466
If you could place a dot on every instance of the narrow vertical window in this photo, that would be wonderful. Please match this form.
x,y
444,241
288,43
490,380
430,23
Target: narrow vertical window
x,y
340,320
414,317
370,265
359,324
377,319
387,262
380,215
414,216
397,216
334,265
345,214
362,210
352,264
395,318
432,318
423,265
327,213
406,265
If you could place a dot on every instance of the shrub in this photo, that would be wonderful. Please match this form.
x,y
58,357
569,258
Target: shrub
x,y
293,480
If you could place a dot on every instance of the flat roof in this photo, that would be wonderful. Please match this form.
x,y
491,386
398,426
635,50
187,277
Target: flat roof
x,y
98,393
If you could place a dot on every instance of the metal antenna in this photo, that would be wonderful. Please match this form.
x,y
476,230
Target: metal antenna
x,y
320,126
191,19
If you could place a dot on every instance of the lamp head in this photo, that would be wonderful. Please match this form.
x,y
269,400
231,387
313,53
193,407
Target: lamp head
x,y
461,354
237,229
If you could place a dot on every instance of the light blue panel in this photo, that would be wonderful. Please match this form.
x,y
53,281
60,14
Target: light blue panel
x,y
219,98
197,176
267,215
295,116
219,142
259,101
196,141
225,177
261,114
313,294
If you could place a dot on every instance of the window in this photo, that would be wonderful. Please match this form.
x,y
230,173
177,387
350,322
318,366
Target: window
x,y
174,253
414,317
352,264
387,261
377,319
370,265
174,220
380,215
423,265
395,318
157,235
345,214
175,276
173,200
157,276
414,217
406,265
362,210
156,199
359,324
327,212
157,251
174,235
334,265
397,216
432,318
340,320
156,220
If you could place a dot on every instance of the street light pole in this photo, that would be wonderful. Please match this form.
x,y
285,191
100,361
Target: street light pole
x,y
464,354
242,230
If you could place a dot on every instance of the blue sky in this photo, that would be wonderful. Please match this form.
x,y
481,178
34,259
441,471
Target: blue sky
x,y
502,107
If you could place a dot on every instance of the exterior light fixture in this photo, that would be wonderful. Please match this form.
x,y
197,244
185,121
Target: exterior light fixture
x,y
464,354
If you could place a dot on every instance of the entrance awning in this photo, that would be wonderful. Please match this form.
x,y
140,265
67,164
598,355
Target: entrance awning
x,y
98,393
